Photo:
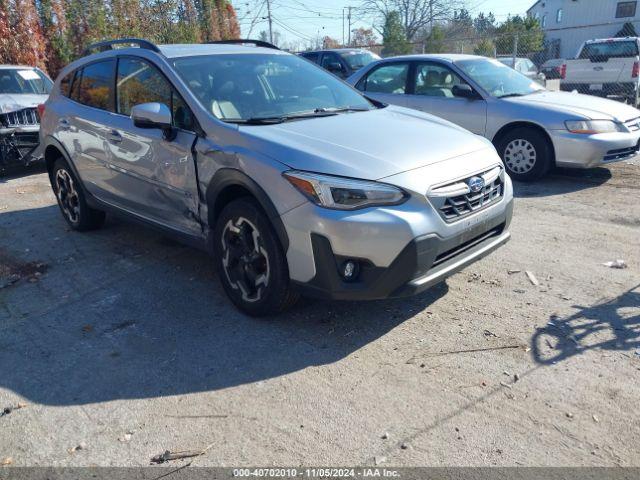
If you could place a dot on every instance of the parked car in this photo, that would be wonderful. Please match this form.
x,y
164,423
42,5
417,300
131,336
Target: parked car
x,y
22,89
553,69
532,128
525,67
294,181
607,68
342,62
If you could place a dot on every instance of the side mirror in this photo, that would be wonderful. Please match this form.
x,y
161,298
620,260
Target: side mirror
x,y
464,91
153,115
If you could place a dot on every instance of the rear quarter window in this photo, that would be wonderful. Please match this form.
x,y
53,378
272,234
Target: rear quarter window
x,y
96,85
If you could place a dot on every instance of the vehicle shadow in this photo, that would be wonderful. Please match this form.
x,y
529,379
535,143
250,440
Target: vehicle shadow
x,y
561,181
122,313
18,171
617,320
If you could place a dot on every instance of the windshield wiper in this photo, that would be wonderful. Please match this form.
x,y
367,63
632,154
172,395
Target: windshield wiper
x,y
282,118
509,95
342,109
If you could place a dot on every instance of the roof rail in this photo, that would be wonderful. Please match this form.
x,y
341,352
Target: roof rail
x,y
240,41
108,45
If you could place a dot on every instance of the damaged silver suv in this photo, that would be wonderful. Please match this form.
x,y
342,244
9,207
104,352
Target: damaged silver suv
x,y
294,181
22,89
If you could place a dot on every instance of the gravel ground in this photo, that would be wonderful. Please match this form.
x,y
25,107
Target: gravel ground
x,y
122,342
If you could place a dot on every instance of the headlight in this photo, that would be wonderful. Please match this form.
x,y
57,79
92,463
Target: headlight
x,y
343,193
590,127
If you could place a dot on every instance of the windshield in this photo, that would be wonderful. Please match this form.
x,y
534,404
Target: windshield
x,y
359,59
601,52
498,79
24,81
255,86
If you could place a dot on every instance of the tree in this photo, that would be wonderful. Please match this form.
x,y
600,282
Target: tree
x,y
485,24
525,31
328,42
485,47
414,15
394,38
27,33
363,37
435,42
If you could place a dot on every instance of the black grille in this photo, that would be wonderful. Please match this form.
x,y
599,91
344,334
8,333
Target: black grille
x,y
20,118
621,153
459,205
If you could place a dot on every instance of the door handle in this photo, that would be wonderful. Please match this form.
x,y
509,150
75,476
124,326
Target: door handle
x,y
114,136
64,124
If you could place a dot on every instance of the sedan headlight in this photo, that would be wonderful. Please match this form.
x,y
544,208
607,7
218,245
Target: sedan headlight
x,y
341,193
590,127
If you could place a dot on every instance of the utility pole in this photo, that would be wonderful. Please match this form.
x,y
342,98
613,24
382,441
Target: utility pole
x,y
270,21
349,23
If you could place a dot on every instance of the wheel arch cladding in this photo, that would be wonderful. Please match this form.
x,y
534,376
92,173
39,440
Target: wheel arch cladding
x,y
229,184
533,126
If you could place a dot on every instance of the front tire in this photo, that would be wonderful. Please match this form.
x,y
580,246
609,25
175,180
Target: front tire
x,y
526,153
250,260
72,200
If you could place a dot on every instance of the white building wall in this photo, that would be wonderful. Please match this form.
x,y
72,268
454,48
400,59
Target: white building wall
x,y
581,20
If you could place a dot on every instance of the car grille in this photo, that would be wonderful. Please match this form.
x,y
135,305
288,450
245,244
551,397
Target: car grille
x,y
20,118
633,125
621,153
455,200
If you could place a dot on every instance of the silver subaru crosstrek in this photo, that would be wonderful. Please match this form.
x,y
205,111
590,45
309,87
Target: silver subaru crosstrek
x,y
294,181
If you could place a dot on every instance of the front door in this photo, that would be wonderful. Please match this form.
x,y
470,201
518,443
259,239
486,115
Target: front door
x,y
431,91
155,177
387,83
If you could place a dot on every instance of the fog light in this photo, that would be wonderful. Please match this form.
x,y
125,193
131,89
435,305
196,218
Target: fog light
x,y
349,270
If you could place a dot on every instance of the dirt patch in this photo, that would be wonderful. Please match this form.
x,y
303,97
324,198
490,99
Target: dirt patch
x,y
13,270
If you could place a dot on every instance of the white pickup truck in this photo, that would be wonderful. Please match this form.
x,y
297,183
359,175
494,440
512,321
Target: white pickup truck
x,y
607,68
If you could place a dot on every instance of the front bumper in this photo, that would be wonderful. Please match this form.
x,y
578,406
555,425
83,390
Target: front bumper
x,y
620,91
588,151
423,263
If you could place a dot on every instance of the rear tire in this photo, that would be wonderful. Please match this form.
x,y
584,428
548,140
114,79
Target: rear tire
x,y
72,200
250,260
526,153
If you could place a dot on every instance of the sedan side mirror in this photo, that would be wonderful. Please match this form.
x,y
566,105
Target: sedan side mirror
x,y
464,91
154,115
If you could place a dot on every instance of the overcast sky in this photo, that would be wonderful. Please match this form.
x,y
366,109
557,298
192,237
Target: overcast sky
x,y
306,19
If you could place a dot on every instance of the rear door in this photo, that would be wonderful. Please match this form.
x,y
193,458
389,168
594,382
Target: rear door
x,y
431,91
84,127
155,177
387,83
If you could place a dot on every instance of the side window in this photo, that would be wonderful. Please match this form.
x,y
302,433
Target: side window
x,y
139,82
75,84
96,85
65,84
391,78
332,63
435,80
312,56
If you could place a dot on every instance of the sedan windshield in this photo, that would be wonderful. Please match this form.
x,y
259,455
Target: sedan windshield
x,y
25,81
498,79
359,58
248,88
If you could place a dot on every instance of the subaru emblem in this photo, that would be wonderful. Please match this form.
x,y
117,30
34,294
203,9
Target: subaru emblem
x,y
475,184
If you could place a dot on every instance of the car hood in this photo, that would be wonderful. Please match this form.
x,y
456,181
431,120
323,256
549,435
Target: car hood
x,y
11,102
585,105
369,145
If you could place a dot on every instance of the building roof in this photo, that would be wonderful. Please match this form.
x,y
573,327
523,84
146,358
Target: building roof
x,y
531,7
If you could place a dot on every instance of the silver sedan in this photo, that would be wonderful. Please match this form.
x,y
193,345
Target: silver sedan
x,y
533,129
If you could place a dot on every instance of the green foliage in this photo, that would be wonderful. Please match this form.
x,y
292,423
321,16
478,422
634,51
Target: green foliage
x,y
530,37
394,37
436,42
485,47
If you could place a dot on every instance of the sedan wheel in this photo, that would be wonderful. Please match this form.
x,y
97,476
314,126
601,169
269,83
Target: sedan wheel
x,y
520,156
